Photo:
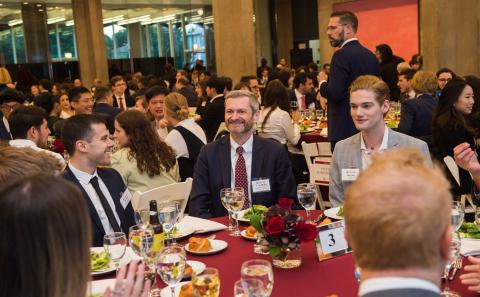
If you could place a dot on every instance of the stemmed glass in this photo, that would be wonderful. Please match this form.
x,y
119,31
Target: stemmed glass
x,y
171,265
294,105
142,241
233,200
307,195
168,215
206,284
319,113
142,216
458,212
261,270
115,245
454,254
248,288
477,217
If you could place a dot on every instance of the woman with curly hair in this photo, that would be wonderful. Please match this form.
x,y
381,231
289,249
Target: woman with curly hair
x,y
143,160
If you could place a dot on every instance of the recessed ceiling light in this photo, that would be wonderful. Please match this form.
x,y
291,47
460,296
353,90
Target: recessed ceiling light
x,y
40,10
1,4
26,3
39,5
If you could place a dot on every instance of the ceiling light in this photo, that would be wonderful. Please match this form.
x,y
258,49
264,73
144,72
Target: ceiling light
x,y
55,20
200,11
134,20
69,23
25,3
15,22
39,5
113,19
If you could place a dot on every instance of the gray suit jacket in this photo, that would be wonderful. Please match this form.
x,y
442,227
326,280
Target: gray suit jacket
x,y
347,154
403,293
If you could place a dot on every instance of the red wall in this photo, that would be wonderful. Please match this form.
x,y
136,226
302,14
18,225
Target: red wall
x,y
394,22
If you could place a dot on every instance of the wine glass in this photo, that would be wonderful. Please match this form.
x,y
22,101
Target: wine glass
x,y
142,216
171,265
167,215
261,270
458,212
454,254
223,193
307,195
307,114
115,244
233,200
477,217
142,241
294,105
206,284
319,113
248,288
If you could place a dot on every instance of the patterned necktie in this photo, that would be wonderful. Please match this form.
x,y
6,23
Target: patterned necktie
x,y
241,178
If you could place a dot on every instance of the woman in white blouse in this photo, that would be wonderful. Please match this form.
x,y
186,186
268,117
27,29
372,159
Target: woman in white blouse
x,y
275,121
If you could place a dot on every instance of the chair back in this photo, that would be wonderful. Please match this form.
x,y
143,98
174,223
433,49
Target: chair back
x,y
173,192
453,168
222,131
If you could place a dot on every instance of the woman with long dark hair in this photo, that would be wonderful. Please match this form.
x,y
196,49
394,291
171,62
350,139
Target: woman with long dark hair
x,y
144,161
451,124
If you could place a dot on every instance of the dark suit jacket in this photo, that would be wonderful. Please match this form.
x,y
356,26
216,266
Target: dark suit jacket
x,y
403,293
110,112
116,187
4,135
190,94
309,98
213,116
347,64
128,100
416,116
213,172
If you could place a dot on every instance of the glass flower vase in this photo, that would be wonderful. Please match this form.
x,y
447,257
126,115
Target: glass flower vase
x,y
288,259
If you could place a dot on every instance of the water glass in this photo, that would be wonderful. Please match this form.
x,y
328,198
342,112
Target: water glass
x,y
171,265
260,270
458,212
115,245
167,215
477,217
319,113
233,200
307,196
294,105
455,246
249,288
142,216
207,284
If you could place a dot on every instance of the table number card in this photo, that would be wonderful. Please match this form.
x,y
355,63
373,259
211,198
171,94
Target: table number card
x,y
331,241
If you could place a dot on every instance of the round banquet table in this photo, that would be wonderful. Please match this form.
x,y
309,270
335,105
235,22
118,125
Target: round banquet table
x,y
312,278
312,137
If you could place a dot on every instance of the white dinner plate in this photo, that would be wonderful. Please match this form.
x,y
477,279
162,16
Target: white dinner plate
x,y
99,287
244,235
217,246
308,130
183,231
127,257
332,213
240,216
166,292
197,266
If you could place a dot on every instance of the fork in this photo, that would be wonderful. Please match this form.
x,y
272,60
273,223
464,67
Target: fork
x,y
446,272
457,264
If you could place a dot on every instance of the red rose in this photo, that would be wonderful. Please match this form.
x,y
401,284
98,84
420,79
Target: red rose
x,y
275,225
306,232
285,203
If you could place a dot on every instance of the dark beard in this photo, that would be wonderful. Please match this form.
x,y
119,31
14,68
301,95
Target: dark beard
x,y
338,43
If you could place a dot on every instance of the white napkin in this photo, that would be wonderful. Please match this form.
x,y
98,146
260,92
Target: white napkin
x,y
470,247
201,225
324,132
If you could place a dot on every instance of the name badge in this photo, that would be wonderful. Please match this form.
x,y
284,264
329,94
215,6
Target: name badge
x,y
261,185
331,241
126,198
350,174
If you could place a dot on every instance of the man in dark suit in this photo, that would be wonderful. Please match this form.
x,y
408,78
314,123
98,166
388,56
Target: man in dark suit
x,y
109,202
260,166
302,94
103,105
9,100
349,62
215,111
183,87
412,216
121,98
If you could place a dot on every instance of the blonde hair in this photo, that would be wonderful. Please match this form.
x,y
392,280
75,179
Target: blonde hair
x,y
397,212
5,77
176,106
374,84
424,82
403,66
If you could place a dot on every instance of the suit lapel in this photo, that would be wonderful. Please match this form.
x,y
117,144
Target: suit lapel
x,y
225,161
112,189
357,155
392,139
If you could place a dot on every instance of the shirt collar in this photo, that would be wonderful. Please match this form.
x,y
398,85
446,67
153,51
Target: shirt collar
x,y
215,97
22,143
83,177
392,283
411,94
384,144
247,146
298,94
347,41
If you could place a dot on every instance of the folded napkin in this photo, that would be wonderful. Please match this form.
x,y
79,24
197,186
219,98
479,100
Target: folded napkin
x,y
201,225
470,247
324,132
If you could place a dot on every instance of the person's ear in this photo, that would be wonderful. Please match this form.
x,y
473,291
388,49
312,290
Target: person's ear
x,y
81,146
445,242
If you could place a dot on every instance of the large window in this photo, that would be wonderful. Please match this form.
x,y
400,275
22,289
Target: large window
x,y
116,41
12,45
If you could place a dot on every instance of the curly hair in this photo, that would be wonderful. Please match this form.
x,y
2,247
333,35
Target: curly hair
x,y
151,153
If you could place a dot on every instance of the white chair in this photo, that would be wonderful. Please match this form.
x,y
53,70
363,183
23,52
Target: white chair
x,y
318,157
173,192
453,168
222,130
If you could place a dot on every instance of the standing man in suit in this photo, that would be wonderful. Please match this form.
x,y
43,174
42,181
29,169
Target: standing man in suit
x,y
103,105
260,166
369,102
302,94
10,99
109,202
214,113
400,229
348,63
121,98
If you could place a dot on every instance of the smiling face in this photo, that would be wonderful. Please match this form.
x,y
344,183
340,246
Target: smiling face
x,y
443,79
465,101
366,112
120,136
239,116
64,103
99,148
84,105
155,105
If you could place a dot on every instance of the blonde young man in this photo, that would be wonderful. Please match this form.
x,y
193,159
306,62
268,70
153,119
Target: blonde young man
x,y
369,102
398,226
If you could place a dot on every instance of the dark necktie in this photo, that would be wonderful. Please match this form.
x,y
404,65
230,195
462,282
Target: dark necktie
x,y
106,206
304,104
241,178
122,107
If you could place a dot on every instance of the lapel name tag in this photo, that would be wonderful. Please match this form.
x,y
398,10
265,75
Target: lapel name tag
x,y
350,174
331,241
261,185
126,198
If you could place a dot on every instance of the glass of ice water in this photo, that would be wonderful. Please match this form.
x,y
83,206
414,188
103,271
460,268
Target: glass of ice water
x,y
115,245
458,212
307,196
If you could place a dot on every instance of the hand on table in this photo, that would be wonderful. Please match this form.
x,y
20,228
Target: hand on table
x,y
466,158
131,283
472,278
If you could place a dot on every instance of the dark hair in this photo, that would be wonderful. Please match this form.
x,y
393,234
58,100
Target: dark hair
x,y
79,127
154,91
101,93
347,17
446,117
216,83
45,84
228,83
25,117
301,78
276,95
325,65
247,78
242,85
385,52
203,86
44,223
45,100
416,59
299,69
12,95
474,82
408,73
183,81
75,93
312,66
443,70
144,81
146,147
116,79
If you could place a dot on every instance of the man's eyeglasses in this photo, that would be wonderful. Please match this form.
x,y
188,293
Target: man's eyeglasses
x,y
9,107
444,79
335,27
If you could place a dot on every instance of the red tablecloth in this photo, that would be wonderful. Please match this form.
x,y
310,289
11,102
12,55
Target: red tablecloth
x,y
312,137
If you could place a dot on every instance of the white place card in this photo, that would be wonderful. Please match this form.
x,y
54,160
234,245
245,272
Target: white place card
x,y
331,241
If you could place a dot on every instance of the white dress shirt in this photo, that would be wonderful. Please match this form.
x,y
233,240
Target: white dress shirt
x,y
5,123
247,155
121,98
176,141
299,100
278,126
367,153
162,132
392,283
84,179
30,144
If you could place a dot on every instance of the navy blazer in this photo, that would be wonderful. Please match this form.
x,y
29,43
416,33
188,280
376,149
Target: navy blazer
x,y
213,172
213,116
4,134
416,116
309,98
112,179
110,112
347,64
128,100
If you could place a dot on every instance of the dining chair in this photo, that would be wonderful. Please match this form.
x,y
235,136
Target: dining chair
x,y
453,168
